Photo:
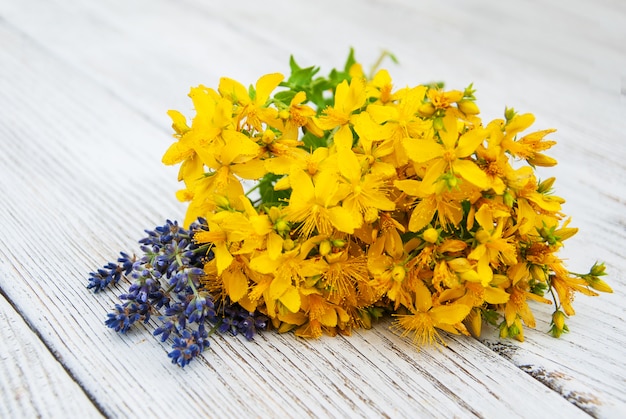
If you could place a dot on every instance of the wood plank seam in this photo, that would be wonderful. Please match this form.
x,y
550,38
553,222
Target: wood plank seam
x,y
53,353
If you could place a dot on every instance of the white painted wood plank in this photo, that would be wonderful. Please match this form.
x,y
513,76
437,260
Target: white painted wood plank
x,y
373,373
591,128
34,383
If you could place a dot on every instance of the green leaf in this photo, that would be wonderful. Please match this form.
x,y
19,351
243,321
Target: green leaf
x,y
292,64
490,316
312,142
266,189
301,78
285,96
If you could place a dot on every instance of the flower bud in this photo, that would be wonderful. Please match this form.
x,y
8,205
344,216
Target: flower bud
x,y
504,330
281,226
546,185
438,124
565,233
268,136
431,235
288,245
558,324
542,160
598,269
599,285
398,273
468,107
508,199
325,247
558,318
509,113
427,109
538,273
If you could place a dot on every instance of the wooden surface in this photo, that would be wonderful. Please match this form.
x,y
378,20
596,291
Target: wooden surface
x,y
84,87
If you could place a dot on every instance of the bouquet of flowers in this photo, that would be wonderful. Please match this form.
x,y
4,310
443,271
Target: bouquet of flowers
x,y
368,200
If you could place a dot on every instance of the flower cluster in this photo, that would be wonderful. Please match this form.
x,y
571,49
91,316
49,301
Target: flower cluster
x,y
166,281
373,198
369,199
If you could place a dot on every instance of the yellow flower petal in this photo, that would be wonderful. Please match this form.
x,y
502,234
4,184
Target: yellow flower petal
x,y
421,151
222,257
329,318
484,218
409,186
253,169
344,220
235,283
179,122
422,214
450,132
423,298
274,245
449,314
265,85
290,299
343,138
349,167
496,295
234,91
177,152
519,123
469,142
471,172
381,113
264,264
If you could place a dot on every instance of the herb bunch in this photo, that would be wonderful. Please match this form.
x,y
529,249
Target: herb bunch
x,y
368,199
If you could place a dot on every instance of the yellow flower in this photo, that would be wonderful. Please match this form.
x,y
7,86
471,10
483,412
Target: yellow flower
x,y
517,307
310,163
299,116
346,278
425,319
253,111
388,278
451,155
496,166
380,87
348,98
531,203
443,100
402,122
529,146
321,314
316,205
447,205
218,239
288,271
373,147
566,286
359,192
495,245
212,117
235,280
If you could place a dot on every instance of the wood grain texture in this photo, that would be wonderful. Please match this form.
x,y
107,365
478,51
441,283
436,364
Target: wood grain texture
x,y
84,90
34,383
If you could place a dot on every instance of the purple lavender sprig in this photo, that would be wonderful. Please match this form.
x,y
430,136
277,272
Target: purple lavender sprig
x,y
165,280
